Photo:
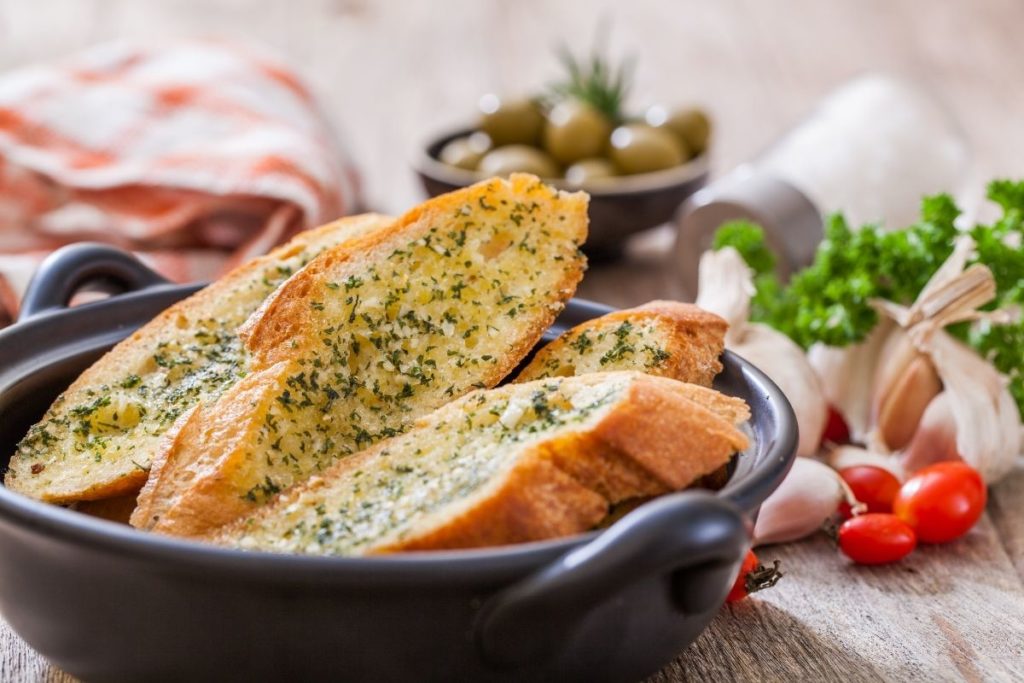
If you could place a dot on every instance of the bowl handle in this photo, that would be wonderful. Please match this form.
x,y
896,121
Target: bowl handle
x,y
70,268
678,535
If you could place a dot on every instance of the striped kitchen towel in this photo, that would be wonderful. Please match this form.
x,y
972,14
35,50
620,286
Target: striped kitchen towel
x,y
196,155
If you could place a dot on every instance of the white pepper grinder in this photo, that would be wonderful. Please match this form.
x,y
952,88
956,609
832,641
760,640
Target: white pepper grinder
x,y
872,149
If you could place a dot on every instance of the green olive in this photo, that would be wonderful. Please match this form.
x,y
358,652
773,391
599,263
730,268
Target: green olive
x,y
587,170
636,148
466,152
690,125
518,159
510,121
574,131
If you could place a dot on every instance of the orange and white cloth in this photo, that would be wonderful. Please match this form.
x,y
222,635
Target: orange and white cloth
x,y
196,155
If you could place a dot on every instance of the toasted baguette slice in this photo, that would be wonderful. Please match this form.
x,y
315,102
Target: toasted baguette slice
x,y
98,438
523,462
369,337
664,338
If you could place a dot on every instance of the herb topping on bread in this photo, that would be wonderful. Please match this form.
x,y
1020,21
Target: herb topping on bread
x,y
369,337
523,462
664,338
98,438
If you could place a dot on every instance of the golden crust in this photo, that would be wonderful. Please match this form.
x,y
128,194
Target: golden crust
x,y
191,485
652,440
285,323
668,338
537,500
568,484
221,454
58,474
671,436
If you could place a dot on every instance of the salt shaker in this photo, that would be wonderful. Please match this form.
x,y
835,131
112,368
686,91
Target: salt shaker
x,y
871,149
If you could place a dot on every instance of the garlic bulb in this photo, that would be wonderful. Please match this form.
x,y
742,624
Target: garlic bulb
x,y
847,377
804,501
726,286
929,397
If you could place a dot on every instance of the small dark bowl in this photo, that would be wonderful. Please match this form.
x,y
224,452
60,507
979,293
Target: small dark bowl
x,y
619,207
108,603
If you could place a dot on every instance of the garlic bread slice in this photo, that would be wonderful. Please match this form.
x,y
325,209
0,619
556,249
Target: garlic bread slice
x,y
524,462
369,337
664,338
98,438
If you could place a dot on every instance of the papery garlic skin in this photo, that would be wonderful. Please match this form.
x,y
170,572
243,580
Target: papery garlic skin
x,y
935,439
846,376
725,285
785,363
725,288
841,457
804,501
988,424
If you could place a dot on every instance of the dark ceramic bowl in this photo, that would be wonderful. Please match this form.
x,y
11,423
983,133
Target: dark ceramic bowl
x,y
108,603
619,207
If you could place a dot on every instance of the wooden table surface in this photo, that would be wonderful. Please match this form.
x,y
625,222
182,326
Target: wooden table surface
x,y
390,73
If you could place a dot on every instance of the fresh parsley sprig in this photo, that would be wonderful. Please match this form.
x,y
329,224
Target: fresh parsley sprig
x,y
829,301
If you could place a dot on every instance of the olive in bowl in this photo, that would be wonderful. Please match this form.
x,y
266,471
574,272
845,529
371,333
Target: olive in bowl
x,y
620,205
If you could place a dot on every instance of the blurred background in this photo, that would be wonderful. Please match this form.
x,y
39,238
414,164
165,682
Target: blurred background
x,y
391,72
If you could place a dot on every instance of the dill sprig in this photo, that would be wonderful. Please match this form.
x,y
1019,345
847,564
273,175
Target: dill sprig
x,y
596,81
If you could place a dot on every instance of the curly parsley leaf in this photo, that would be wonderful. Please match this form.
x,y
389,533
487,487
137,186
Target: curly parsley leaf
x,y
829,301
748,239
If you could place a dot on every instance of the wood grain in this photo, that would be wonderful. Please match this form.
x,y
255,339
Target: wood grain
x,y
390,73
950,612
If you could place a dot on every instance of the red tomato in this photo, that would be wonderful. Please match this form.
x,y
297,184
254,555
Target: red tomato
x,y
836,429
876,538
942,501
873,486
753,576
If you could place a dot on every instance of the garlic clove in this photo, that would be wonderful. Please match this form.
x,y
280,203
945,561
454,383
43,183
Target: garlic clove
x,y
904,401
849,456
804,501
894,356
846,376
935,438
726,285
988,424
785,363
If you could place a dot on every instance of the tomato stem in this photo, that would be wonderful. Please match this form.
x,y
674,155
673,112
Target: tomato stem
x,y
761,577
856,507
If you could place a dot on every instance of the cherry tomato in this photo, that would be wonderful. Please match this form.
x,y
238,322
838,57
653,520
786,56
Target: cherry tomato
x,y
942,501
876,538
873,486
753,576
836,429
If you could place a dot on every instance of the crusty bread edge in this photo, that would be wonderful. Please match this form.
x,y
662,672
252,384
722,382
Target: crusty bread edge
x,y
185,516
535,501
681,317
539,498
268,331
131,481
